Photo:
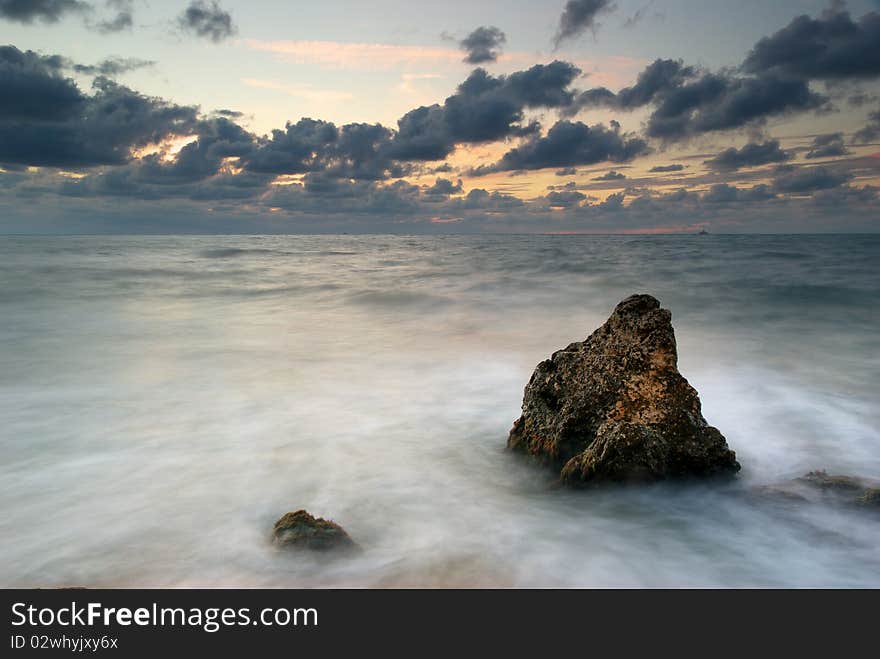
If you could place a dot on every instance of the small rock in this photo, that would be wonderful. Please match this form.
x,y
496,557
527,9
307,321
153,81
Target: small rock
x,y
302,530
615,408
819,486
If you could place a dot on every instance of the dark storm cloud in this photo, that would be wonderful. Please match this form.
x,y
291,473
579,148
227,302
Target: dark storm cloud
x,y
32,88
846,197
870,132
832,46
827,146
564,198
207,19
295,150
343,171
135,182
660,77
113,66
485,108
483,45
666,168
578,16
52,11
480,199
689,102
324,194
717,102
442,189
723,193
752,154
611,176
102,130
358,151
803,180
46,120
860,99
56,124
570,144
216,140
48,11
361,152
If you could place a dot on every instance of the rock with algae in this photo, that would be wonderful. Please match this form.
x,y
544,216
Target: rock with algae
x,y
615,408
302,530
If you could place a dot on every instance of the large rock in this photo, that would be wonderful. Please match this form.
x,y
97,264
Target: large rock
x,y
615,408
304,531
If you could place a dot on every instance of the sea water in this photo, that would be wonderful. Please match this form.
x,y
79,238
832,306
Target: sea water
x,y
163,400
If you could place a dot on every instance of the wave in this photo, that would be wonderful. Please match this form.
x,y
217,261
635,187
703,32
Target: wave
x,y
233,252
398,299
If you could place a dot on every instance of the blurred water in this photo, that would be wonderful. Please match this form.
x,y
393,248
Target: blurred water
x,y
164,400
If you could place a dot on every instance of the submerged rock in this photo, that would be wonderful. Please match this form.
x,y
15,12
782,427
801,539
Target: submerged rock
x,y
820,486
615,408
302,530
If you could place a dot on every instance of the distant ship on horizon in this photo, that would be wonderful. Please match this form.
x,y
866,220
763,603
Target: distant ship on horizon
x,y
702,232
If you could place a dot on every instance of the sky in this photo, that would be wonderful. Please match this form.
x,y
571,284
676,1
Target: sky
x,y
562,116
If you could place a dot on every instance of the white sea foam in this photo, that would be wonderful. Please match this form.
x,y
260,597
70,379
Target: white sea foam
x,y
164,400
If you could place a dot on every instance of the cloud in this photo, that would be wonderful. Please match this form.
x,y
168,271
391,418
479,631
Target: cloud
x,y
860,98
52,11
564,198
297,149
55,121
578,16
611,176
569,144
638,16
666,168
830,47
355,151
113,66
442,189
97,147
480,199
827,146
870,132
123,20
485,108
207,19
689,101
717,102
752,154
46,120
660,77
483,45
802,180
32,87
722,193
47,11
216,140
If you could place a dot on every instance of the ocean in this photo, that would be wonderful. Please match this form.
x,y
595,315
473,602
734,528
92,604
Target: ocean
x,y
165,399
